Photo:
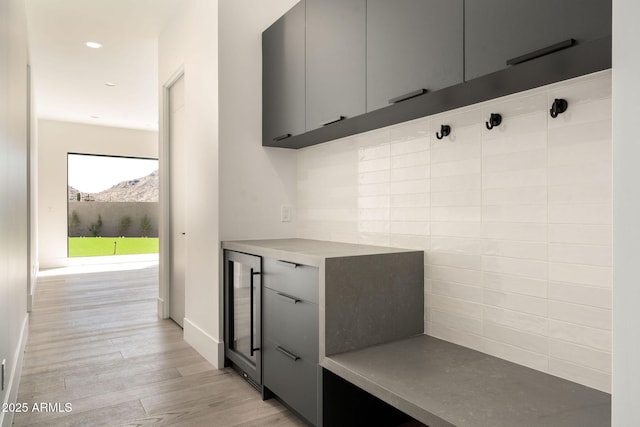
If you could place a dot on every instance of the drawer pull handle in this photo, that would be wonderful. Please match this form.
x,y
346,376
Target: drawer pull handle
x,y
541,52
332,121
407,96
288,354
281,137
288,264
290,298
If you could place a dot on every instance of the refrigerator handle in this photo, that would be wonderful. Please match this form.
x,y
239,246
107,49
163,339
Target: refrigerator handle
x,y
251,311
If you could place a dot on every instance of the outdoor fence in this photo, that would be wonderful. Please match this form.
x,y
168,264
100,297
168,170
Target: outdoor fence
x,y
82,215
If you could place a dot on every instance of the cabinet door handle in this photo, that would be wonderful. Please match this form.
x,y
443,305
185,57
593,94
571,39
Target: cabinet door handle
x,y
334,120
541,52
289,297
281,137
288,264
408,96
288,354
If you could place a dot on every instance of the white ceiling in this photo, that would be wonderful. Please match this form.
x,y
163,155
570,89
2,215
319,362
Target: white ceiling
x,y
69,78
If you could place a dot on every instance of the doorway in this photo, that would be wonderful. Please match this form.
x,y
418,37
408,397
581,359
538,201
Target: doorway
x,y
177,197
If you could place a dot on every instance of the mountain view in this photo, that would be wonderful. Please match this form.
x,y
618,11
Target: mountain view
x,y
145,189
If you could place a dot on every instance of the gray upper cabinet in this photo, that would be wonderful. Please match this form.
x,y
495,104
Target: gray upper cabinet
x,y
497,31
335,60
283,77
412,45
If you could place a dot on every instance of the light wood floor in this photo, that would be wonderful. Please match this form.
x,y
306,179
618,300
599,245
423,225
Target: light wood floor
x,y
95,342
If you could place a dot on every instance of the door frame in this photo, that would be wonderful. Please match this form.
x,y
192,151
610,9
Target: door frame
x,y
164,291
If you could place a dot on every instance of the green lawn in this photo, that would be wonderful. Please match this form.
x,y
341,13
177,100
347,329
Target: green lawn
x,y
102,246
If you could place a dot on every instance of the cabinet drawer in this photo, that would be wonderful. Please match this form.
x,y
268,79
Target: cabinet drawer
x,y
293,381
292,324
292,279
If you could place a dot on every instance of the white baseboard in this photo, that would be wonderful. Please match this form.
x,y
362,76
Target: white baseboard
x,y
209,347
6,418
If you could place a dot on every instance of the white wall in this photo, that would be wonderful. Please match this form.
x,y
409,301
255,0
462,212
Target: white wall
x,y
190,43
55,140
254,181
14,264
626,214
218,47
515,222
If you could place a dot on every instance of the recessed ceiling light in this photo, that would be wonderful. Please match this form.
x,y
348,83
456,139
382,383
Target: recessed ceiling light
x,y
110,84
93,45
95,117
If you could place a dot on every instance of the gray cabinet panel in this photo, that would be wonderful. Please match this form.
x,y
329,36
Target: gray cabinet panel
x,y
293,381
283,76
294,325
411,45
296,280
335,60
499,30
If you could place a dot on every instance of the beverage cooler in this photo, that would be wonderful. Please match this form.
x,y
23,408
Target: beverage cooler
x,y
242,303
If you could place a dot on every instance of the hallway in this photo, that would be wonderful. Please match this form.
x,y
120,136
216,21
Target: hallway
x,y
95,343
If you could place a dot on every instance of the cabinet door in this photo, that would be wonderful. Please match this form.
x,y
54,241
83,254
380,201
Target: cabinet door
x,y
283,77
412,45
499,30
335,60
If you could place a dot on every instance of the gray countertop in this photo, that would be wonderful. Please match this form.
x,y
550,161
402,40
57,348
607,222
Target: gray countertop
x,y
306,251
444,384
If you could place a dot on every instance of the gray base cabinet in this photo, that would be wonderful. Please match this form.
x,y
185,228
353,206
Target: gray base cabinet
x,y
324,298
497,31
335,50
290,343
412,45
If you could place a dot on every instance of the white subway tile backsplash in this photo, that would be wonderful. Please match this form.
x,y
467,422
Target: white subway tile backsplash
x,y
457,336
517,320
454,168
580,254
515,213
515,179
525,340
522,160
456,183
515,302
516,354
580,234
455,244
409,187
457,322
470,230
581,374
410,146
456,213
456,198
459,260
578,294
515,249
581,274
580,213
419,158
580,314
589,357
514,266
581,193
457,291
528,232
415,200
515,284
515,221
579,334
456,306
453,274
